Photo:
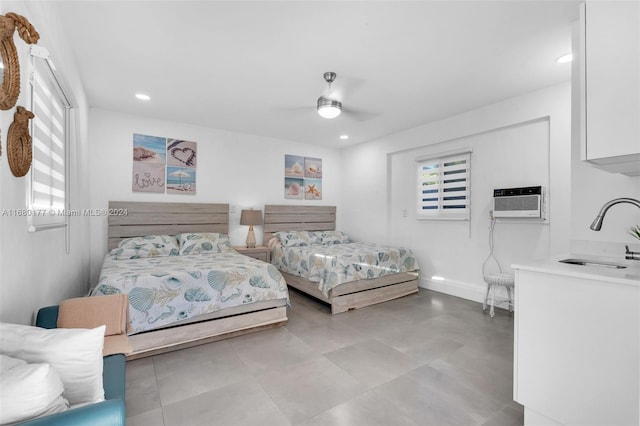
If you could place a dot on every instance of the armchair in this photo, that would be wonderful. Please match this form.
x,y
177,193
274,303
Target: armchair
x,y
111,411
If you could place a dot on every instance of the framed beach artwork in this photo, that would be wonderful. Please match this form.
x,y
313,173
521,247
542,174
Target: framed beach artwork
x,y
302,177
181,180
181,153
313,168
293,166
312,189
149,149
149,159
164,165
148,177
293,188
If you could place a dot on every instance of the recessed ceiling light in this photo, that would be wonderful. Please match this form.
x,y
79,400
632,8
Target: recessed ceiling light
x,y
565,58
344,137
143,97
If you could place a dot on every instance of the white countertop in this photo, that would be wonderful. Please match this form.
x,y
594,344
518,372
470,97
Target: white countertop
x,y
627,276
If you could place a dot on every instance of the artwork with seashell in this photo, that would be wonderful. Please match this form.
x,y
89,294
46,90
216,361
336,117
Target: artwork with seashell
x,y
303,177
313,168
293,166
293,188
312,189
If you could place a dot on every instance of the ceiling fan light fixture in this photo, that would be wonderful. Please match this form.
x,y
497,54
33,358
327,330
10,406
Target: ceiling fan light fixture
x,y
329,108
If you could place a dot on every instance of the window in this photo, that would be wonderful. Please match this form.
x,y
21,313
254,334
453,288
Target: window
x,y
50,134
444,186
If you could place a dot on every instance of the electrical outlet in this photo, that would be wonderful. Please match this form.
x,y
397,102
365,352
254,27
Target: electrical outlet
x,y
233,208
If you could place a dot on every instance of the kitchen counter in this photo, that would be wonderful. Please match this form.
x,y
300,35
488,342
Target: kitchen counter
x,y
627,276
577,342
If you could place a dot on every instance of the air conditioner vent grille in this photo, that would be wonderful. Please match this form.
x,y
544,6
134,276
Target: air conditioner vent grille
x,y
526,202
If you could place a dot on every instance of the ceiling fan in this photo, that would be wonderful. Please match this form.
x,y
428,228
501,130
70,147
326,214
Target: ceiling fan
x,y
329,108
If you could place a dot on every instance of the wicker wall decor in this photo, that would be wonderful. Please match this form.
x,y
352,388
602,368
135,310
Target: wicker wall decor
x,y
19,142
11,73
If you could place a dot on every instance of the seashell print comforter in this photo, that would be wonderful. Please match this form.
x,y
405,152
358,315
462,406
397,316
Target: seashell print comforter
x,y
335,264
163,290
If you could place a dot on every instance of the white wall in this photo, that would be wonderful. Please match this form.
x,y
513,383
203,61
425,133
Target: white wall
x,y
243,170
593,188
35,270
379,181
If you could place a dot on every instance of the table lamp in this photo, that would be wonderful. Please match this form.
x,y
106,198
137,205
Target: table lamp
x,y
251,217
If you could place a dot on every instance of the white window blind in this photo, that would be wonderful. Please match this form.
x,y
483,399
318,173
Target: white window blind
x,y
50,133
444,187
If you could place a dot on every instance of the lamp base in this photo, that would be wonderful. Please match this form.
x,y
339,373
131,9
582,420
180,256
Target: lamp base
x,y
251,238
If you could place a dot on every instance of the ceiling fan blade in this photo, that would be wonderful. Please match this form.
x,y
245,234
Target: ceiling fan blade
x,y
347,86
358,114
295,110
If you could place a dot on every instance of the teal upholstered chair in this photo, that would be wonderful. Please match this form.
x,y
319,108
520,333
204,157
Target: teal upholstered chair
x,y
111,411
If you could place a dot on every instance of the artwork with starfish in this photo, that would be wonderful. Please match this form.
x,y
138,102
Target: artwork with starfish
x,y
312,189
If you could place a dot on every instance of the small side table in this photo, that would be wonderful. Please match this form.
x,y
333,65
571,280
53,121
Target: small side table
x,y
258,252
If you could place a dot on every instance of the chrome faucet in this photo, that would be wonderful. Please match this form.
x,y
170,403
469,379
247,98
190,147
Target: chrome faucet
x,y
597,222
631,255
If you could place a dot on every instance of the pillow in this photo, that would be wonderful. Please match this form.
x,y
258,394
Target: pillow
x,y
273,243
149,246
204,242
334,237
298,238
75,353
29,390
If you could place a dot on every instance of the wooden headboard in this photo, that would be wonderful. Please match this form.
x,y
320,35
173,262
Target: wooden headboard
x,y
148,218
297,218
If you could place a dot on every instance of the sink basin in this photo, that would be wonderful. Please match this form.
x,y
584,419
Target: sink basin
x,y
587,262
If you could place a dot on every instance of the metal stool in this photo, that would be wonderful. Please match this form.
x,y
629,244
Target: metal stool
x,y
494,280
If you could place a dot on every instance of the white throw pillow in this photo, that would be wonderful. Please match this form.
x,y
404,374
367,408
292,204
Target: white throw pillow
x,y
7,363
29,390
75,353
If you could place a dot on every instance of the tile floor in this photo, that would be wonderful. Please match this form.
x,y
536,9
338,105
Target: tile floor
x,y
425,359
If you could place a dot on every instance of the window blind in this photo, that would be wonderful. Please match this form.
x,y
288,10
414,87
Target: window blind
x,y
444,187
49,132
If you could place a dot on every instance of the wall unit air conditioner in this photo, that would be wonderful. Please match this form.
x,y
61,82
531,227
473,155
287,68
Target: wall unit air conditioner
x,y
526,202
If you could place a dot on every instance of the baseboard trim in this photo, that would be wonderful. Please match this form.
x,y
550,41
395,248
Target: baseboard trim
x,y
469,291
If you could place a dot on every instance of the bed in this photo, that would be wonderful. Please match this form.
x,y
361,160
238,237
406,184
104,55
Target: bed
x,y
352,289
185,298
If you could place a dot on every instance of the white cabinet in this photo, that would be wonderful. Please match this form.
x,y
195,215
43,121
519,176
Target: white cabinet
x,y
576,349
610,85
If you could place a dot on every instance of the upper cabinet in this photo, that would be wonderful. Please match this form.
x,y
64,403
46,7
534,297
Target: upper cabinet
x,y
609,63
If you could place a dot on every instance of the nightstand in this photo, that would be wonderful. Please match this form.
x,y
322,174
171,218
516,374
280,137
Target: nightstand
x,y
258,252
